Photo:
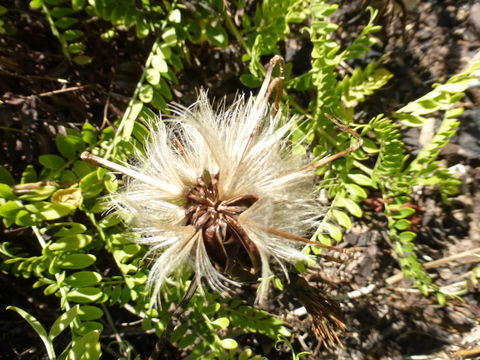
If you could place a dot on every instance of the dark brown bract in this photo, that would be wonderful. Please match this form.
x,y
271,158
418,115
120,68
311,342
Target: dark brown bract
x,y
228,245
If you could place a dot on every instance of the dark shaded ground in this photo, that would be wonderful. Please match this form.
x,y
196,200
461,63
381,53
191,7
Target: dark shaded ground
x,y
426,42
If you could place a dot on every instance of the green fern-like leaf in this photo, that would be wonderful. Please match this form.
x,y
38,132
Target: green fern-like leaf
x,y
362,83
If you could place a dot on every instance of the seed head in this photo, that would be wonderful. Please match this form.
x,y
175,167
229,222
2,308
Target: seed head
x,y
221,192
225,177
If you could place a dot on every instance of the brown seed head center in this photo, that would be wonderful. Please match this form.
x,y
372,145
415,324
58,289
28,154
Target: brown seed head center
x,y
228,246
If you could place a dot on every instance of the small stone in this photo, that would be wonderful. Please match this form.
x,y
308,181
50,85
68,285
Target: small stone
x,y
424,35
475,16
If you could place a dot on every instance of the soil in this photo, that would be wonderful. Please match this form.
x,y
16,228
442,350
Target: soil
x,y
426,42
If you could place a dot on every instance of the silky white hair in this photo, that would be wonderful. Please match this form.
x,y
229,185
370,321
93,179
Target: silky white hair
x,y
252,156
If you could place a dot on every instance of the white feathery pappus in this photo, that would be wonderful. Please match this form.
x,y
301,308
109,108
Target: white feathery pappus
x,y
220,192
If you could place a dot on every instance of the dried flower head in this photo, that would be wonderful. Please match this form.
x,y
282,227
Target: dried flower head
x,y
221,192
325,312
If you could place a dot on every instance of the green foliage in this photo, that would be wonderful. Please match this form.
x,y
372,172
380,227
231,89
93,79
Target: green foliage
x,y
86,347
362,83
88,261
63,18
348,180
270,24
209,314
6,28
397,180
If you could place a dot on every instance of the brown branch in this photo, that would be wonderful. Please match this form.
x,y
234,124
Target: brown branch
x,y
467,353
176,314
277,83
399,276
300,238
264,93
333,157
59,91
168,188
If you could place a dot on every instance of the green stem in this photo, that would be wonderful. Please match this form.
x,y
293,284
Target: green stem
x,y
111,151
231,26
362,167
43,244
55,31
104,238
